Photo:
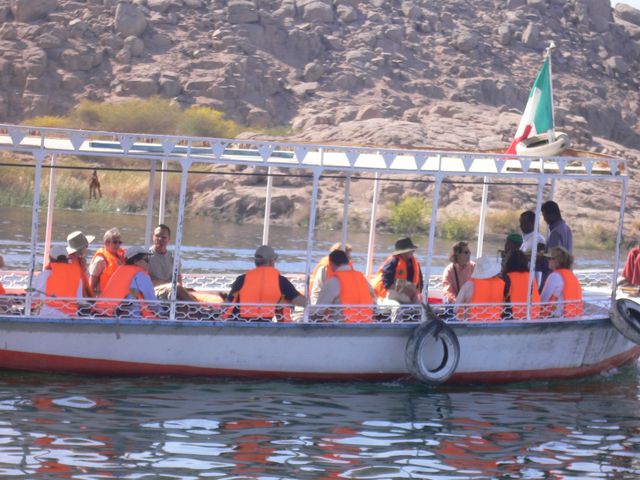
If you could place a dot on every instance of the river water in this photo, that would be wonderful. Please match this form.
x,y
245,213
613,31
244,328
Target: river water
x,y
78,427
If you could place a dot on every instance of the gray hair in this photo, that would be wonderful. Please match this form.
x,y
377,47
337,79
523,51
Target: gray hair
x,y
111,233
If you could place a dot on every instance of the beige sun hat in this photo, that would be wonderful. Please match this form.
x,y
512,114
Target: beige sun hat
x,y
57,251
135,250
76,241
486,267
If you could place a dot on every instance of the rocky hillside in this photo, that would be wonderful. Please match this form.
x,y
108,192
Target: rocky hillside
x,y
452,73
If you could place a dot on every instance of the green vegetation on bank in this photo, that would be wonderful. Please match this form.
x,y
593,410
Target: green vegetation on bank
x,y
411,215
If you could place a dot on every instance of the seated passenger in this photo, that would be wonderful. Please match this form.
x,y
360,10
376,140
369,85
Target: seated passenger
x,y
59,280
457,272
631,271
516,270
346,286
562,287
512,243
161,267
321,272
400,277
262,285
485,291
77,245
106,260
130,281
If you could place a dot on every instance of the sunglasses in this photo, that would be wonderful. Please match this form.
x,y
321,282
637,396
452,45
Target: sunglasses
x,y
116,241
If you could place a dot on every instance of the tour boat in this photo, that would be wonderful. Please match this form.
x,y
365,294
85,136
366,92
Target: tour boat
x,y
419,341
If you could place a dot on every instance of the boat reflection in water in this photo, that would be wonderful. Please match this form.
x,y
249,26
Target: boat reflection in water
x,y
163,428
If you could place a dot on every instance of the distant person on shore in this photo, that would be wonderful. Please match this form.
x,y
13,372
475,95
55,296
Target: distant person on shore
x,y
130,281
322,272
457,272
262,285
94,186
106,260
77,245
346,286
399,277
60,280
559,232
161,267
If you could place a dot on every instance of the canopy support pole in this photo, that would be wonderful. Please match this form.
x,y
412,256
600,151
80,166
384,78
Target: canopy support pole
x,y
151,193
50,207
372,225
432,236
616,262
39,157
483,216
267,209
345,212
185,164
534,245
312,227
163,192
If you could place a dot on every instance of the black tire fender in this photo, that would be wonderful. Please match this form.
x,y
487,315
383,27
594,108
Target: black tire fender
x,y
625,316
432,352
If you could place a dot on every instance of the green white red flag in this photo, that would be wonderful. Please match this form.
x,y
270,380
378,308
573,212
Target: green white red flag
x,y
538,114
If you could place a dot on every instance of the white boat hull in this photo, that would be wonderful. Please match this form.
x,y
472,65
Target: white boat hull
x,y
488,353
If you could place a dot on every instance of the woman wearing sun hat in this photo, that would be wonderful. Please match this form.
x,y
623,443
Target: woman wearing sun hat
x,y
561,288
77,244
400,269
485,291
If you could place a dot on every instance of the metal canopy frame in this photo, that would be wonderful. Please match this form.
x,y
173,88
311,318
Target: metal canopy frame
x,y
316,159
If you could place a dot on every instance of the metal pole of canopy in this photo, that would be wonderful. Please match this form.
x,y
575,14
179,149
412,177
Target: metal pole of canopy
x,y
39,157
616,262
312,226
185,164
163,191
372,225
432,235
483,215
534,245
150,195
267,209
50,206
345,212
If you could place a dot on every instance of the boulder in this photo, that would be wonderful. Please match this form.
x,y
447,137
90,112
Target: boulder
x,y
129,20
140,87
80,58
30,10
531,36
135,45
35,61
242,11
596,13
465,41
315,11
160,6
627,13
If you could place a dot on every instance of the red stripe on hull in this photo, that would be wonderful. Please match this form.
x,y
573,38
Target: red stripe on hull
x,y
63,364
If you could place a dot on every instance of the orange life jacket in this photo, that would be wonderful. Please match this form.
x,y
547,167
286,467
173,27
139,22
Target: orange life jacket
x,y
354,290
113,261
2,290
87,291
572,293
486,291
324,262
63,283
119,286
518,294
261,285
401,274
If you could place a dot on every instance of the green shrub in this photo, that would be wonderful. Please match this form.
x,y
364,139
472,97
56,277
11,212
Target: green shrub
x,y
458,227
410,215
49,121
205,122
505,221
596,236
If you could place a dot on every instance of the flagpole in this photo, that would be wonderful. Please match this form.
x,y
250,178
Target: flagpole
x,y
547,53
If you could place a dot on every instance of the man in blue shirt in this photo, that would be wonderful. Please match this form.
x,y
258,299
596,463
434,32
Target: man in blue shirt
x,y
559,232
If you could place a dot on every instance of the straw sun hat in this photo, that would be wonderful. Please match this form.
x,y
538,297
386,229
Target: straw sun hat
x,y
486,267
76,241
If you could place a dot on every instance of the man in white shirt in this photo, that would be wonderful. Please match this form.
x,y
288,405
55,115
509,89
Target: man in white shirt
x,y
527,223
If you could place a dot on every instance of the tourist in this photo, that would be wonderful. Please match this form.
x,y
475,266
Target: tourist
x,y
106,260
562,288
58,287
161,267
559,232
130,281
77,245
457,272
346,286
262,285
399,277
527,224
485,290
516,274
322,272
631,272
